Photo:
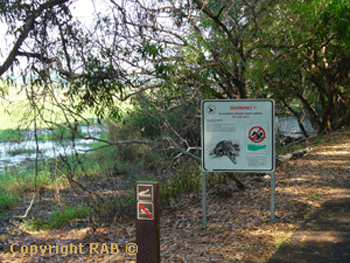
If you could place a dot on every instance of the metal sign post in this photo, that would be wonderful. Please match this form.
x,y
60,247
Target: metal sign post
x,y
272,196
204,200
238,136
148,222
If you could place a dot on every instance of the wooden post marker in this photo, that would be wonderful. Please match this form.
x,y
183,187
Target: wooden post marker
x,y
147,222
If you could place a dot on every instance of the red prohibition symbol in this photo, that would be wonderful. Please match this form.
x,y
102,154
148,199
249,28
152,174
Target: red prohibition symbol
x,y
144,209
257,134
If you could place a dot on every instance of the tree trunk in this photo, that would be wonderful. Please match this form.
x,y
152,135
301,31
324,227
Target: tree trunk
x,y
316,122
296,114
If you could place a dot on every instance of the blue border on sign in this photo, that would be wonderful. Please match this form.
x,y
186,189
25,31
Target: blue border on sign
x,y
273,163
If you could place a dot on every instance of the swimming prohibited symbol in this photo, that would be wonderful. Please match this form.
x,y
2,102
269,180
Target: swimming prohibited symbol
x,y
147,211
257,134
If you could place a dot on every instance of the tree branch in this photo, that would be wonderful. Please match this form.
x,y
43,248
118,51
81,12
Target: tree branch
x,y
27,27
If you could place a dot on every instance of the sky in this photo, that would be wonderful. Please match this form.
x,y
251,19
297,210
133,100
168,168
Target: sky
x,y
82,11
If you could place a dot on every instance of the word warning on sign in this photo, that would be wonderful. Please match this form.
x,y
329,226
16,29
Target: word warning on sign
x,y
238,135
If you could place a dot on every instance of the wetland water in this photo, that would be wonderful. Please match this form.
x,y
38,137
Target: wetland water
x,y
15,153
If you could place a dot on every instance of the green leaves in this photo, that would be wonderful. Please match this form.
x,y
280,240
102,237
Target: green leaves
x,y
336,17
151,50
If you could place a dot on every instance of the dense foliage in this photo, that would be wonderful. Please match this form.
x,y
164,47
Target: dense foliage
x,y
171,54
144,66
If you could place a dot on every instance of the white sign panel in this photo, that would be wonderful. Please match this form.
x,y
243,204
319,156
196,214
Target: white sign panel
x,y
238,135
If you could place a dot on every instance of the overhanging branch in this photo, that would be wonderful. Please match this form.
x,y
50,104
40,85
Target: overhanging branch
x,y
27,27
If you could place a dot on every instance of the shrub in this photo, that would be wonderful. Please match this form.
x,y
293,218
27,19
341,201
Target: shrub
x,y
11,135
66,215
58,218
7,200
183,181
119,206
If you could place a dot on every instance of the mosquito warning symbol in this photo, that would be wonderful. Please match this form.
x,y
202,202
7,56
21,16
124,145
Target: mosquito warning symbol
x,y
257,134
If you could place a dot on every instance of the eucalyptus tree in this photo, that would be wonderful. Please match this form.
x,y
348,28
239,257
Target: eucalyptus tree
x,y
305,49
175,48
166,55
172,53
203,46
29,20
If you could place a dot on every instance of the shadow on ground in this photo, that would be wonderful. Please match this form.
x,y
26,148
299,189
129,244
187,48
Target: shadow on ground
x,y
325,237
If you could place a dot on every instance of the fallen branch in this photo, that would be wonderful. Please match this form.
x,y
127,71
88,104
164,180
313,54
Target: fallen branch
x,y
286,157
254,178
241,185
180,149
28,209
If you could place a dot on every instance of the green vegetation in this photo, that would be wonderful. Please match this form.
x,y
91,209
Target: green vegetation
x,y
58,218
128,163
60,133
15,151
285,241
295,53
7,200
65,215
18,181
301,64
183,181
11,135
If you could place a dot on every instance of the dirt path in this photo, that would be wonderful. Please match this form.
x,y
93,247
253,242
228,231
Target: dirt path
x,y
239,227
323,238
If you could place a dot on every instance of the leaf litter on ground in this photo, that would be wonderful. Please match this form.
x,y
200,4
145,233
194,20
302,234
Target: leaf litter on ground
x,y
239,227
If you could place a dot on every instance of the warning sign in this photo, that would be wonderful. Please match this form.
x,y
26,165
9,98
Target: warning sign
x,y
145,211
238,135
257,134
144,192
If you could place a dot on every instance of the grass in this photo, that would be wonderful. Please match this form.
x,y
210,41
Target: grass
x,y
15,110
7,200
18,182
11,135
58,218
285,241
66,215
59,133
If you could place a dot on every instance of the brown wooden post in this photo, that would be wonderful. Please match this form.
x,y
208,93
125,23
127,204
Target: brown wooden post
x,y
147,222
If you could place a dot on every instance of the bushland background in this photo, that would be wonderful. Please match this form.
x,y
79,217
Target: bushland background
x,y
89,109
